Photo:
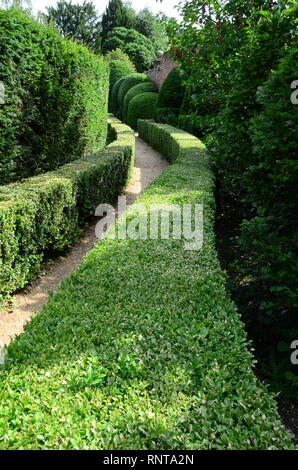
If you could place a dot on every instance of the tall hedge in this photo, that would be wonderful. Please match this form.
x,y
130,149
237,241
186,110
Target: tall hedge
x,y
134,91
172,91
55,98
271,236
42,215
142,106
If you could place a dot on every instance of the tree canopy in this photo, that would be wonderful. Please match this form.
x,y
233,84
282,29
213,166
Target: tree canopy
x,y
80,22
139,49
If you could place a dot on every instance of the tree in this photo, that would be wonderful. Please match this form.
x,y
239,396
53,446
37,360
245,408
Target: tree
x,y
116,15
80,22
151,26
139,49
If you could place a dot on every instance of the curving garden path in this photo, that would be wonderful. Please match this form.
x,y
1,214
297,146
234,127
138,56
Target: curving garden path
x,y
149,164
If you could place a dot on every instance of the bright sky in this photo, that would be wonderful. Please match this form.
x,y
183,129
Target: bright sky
x,y
167,6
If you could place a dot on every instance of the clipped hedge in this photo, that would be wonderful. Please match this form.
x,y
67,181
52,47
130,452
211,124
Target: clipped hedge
x,y
270,238
56,96
141,348
114,96
141,106
172,91
42,215
129,81
134,91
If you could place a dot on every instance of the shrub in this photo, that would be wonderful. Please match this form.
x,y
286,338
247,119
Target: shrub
x,y
172,91
55,98
42,214
141,344
114,97
139,48
271,237
134,91
118,70
232,140
129,81
141,106
167,116
120,66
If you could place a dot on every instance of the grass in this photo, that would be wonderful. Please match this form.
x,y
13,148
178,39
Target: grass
x,y
141,348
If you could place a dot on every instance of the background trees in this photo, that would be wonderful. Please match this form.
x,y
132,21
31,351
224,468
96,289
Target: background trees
x,y
116,15
80,22
139,49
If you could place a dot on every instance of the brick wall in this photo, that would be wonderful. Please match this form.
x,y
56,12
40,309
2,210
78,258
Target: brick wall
x,y
163,64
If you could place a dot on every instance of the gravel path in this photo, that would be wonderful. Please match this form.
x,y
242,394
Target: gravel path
x,y
149,164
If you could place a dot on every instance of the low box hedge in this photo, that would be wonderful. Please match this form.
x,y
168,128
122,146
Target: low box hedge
x,y
141,348
42,215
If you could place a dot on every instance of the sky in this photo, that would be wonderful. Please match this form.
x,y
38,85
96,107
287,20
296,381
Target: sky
x,y
167,6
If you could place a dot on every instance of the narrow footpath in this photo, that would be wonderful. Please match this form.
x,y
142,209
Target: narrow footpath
x,y
149,164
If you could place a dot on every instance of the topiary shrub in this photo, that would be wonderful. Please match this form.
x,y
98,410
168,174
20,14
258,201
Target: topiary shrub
x,y
120,66
134,91
172,91
118,70
129,81
55,107
114,96
141,106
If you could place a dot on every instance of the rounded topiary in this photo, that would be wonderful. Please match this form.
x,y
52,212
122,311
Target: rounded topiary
x,y
114,96
134,91
129,81
119,69
141,106
172,91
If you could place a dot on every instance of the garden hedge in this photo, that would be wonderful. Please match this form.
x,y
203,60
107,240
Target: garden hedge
x,y
134,91
172,91
129,81
56,95
141,106
141,348
42,215
114,96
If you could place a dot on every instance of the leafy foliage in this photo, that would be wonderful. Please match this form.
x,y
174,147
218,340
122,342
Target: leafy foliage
x,y
42,215
162,365
120,66
116,15
55,106
134,91
142,106
150,26
228,57
139,48
171,96
271,236
78,22
128,82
